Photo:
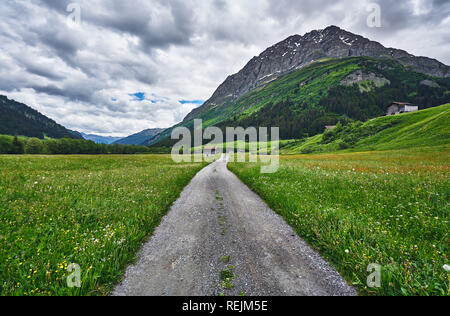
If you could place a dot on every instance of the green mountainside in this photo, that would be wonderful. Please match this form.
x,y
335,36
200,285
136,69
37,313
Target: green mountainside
x,y
425,128
19,119
324,93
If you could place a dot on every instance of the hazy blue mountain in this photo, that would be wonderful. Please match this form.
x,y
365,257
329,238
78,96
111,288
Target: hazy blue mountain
x,y
140,138
100,139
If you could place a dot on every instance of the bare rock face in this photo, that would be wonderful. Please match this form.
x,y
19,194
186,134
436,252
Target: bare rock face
x,y
362,76
298,51
430,83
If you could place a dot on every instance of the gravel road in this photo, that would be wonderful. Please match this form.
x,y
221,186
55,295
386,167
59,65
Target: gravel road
x,y
218,224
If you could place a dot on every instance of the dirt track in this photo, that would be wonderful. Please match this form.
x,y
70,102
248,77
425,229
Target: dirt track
x,y
219,222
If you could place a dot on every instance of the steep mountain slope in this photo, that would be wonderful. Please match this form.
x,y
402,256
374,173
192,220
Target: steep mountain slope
x,y
411,130
19,119
307,82
302,102
298,51
324,93
141,137
100,139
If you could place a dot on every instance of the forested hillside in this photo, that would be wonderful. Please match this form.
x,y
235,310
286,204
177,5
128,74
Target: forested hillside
x,y
303,102
19,119
64,146
426,128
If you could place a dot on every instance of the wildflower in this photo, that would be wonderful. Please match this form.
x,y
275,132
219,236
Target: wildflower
x,y
347,251
446,267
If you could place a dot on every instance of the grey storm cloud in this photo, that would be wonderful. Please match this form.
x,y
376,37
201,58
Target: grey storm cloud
x,y
43,71
83,76
157,23
83,93
399,15
59,5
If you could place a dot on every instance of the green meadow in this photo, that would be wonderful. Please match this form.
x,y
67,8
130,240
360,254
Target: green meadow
x,y
388,208
94,211
424,128
365,193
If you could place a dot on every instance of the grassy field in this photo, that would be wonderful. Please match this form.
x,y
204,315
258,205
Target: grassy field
x,y
389,208
94,211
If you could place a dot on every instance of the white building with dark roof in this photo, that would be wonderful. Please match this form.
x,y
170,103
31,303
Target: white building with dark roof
x,y
401,107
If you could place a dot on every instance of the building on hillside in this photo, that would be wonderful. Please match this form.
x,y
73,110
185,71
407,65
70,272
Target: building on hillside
x,y
401,107
210,150
329,128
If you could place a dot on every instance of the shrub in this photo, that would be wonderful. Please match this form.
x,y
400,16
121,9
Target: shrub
x,y
17,147
343,145
5,145
34,146
307,150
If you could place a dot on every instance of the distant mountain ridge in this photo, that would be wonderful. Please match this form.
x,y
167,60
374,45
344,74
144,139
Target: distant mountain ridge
x,y
298,51
141,138
20,119
100,139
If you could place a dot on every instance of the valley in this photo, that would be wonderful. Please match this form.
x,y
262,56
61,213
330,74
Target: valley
x,y
357,188
354,209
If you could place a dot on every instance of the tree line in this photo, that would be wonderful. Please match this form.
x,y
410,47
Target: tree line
x,y
64,146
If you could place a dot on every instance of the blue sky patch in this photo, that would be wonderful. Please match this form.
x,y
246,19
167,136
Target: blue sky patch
x,y
139,96
198,102
153,98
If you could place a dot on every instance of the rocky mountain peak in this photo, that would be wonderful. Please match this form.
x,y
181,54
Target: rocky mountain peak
x,y
299,51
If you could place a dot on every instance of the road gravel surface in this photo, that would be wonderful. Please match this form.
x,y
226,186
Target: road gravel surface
x,y
220,238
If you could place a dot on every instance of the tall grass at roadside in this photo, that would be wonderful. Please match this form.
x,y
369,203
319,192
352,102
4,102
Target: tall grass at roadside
x,y
388,208
94,211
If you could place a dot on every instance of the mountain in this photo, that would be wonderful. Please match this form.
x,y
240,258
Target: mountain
x,y
425,128
297,51
141,137
306,82
100,139
19,119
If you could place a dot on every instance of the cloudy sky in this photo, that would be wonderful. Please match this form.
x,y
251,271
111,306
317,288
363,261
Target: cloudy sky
x,y
136,64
